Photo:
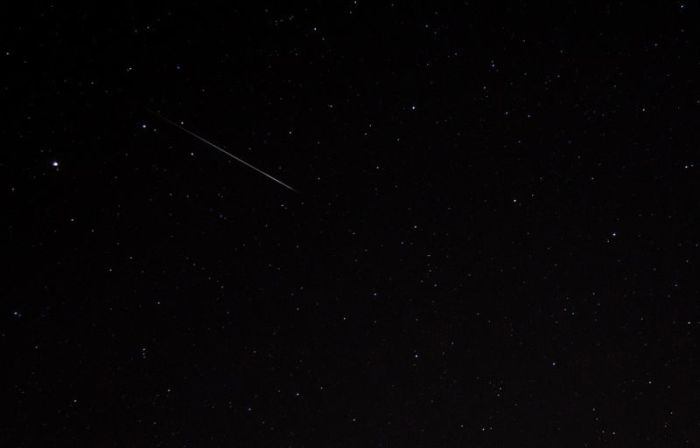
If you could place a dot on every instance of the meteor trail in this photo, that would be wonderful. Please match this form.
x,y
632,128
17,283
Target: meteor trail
x,y
219,148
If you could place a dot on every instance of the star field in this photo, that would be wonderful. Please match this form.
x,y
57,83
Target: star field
x,y
495,240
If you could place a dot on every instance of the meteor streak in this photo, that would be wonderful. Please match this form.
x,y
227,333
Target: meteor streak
x,y
220,149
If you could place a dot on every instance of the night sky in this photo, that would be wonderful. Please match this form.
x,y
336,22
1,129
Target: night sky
x,y
494,239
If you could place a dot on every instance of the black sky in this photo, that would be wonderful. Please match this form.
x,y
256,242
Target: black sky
x,y
496,240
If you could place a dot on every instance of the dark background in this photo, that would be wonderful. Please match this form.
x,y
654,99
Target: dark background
x,y
495,242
